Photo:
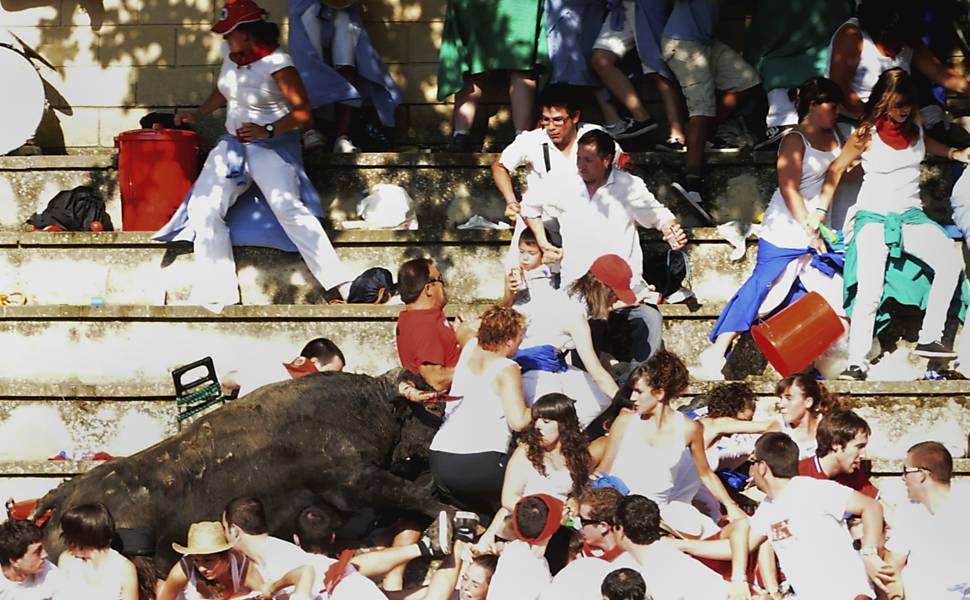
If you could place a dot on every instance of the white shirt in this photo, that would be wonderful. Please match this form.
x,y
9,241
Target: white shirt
x,y
938,549
519,574
281,557
872,62
890,180
542,184
39,587
607,224
580,580
353,587
806,527
672,575
252,95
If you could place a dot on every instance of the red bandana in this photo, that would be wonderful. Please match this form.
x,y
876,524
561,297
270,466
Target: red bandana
x,y
553,519
607,555
259,51
892,133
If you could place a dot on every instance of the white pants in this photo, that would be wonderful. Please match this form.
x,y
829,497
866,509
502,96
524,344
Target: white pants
x,y
343,50
212,197
781,110
960,202
927,243
575,383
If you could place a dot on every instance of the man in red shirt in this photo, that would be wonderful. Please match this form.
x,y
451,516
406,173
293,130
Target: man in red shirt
x,y
427,343
842,439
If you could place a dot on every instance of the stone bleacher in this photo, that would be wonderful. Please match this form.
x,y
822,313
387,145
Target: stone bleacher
x,y
79,375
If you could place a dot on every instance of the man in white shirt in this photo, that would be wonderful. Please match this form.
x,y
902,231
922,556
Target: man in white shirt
x,y
25,572
929,542
319,355
670,574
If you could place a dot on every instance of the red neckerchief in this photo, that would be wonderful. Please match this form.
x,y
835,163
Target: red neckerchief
x,y
892,133
259,51
887,50
607,555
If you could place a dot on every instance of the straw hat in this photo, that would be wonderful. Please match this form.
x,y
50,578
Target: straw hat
x,y
206,537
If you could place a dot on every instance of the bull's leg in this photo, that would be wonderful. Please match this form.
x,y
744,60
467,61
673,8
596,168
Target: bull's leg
x,y
381,489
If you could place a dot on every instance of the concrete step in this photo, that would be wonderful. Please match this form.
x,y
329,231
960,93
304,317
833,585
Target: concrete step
x,y
447,188
129,268
113,344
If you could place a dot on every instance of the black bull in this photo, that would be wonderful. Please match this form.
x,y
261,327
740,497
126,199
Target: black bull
x,y
335,436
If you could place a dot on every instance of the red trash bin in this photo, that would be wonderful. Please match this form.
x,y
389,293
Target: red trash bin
x,y
156,168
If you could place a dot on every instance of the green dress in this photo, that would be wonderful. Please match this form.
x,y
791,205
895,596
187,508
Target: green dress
x,y
490,35
788,40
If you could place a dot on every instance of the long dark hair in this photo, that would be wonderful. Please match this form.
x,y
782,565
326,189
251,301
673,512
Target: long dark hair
x,y
894,88
210,588
575,447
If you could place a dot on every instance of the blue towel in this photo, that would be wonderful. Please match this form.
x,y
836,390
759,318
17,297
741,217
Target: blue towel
x,y
540,358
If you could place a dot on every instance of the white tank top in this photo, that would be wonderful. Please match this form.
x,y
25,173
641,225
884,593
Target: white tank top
x,y
890,183
647,470
545,312
237,567
872,62
81,579
477,422
779,227
558,483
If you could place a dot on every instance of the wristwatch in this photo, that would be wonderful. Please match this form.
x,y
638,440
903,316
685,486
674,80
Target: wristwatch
x,y
270,130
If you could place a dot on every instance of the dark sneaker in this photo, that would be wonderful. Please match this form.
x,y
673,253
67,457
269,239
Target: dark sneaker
x,y
694,199
934,350
723,146
615,129
460,142
636,129
436,539
773,135
853,373
671,145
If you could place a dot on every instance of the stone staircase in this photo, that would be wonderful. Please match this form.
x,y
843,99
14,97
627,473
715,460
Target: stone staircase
x,y
89,356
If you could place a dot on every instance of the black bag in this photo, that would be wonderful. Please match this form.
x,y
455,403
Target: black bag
x,y
166,120
74,210
373,286
667,272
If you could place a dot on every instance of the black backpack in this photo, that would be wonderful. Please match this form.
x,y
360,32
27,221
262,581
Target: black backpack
x,y
373,286
73,210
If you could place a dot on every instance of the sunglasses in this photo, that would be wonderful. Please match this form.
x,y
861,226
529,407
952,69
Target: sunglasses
x,y
908,470
584,522
435,280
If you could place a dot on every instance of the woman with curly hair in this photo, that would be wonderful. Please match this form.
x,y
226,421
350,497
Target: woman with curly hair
x,y
553,457
647,446
469,451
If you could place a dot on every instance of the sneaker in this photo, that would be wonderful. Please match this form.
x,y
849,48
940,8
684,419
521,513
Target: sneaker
x,y
853,373
694,199
773,135
722,146
312,139
436,539
934,350
636,129
343,145
460,142
615,129
681,295
672,145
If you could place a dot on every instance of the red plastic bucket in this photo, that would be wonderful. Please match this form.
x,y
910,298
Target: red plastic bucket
x,y
156,168
799,334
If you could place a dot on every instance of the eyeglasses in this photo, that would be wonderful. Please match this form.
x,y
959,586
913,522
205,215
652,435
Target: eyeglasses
x,y
584,521
553,120
436,280
753,460
908,470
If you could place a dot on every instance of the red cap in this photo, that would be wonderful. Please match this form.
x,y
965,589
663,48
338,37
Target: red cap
x,y
616,274
236,12
300,366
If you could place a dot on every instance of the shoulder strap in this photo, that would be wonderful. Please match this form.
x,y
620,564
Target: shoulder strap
x,y
545,156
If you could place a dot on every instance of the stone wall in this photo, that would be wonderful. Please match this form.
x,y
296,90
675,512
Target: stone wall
x,y
106,63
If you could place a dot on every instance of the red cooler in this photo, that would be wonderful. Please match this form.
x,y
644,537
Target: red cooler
x,y
156,168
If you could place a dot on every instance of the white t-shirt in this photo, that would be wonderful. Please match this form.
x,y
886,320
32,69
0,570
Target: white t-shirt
x,y
252,95
938,549
519,574
672,575
281,558
40,587
580,580
806,527
353,587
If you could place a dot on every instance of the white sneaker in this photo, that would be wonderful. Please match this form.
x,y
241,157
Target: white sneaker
x,y
343,145
681,295
311,139
710,366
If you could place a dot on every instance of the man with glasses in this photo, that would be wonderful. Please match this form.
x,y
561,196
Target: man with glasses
x,y
930,539
427,343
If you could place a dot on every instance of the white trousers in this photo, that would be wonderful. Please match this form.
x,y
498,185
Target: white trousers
x,y
927,243
212,197
781,110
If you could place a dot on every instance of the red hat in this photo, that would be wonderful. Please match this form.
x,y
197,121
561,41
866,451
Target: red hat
x,y
616,274
300,366
236,12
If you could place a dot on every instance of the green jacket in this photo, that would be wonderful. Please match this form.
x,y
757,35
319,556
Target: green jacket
x,y
907,280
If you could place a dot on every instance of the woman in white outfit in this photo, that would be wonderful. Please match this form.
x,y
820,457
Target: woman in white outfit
x,y
553,458
89,567
895,250
789,249
266,106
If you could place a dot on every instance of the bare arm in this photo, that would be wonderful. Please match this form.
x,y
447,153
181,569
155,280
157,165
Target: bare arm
x,y
129,581
851,151
619,428
508,385
215,101
695,438
503,181
715,427
578,330
437,376
938,148
846,52
300,115
550,253
174,583
870,510
300,577
929,65
789,165
720,549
